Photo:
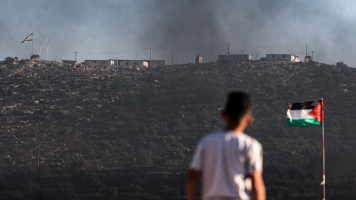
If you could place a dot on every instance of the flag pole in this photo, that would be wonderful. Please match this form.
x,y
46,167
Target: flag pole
x,y
322,127
32,43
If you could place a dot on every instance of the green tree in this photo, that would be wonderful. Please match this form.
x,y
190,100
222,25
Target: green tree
x,y
9,60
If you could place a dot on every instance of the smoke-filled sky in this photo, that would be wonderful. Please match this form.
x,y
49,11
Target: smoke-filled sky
x,y
126,29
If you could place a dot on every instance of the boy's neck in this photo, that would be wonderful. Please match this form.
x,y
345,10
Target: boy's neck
x,y
236,130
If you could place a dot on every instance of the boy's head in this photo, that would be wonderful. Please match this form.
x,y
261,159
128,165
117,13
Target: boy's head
x,y
237,110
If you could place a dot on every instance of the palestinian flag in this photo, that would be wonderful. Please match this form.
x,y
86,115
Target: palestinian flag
x,y
307,114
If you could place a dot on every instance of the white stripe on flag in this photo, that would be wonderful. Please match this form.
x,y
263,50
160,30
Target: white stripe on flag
x,y
299,114
29,38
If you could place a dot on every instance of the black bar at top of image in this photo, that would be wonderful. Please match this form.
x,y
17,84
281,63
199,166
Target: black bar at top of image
x,y
304,105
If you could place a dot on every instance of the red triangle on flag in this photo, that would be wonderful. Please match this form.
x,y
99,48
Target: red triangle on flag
x,y
317,113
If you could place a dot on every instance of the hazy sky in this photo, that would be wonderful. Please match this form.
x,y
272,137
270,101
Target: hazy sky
x,y
125,29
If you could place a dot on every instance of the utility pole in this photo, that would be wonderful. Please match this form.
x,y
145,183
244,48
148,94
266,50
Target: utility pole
x,y
76,52
306,49
150,57
33,38
324,179
172,57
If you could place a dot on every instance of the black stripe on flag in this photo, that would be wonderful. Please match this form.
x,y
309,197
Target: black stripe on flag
x,y
304,105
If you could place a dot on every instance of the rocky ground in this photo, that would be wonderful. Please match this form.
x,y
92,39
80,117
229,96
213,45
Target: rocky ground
x,y
66,118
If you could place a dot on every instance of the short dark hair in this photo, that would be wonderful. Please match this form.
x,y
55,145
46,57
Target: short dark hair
x,y
237,106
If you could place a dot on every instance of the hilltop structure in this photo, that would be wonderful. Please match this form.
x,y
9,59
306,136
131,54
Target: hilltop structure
x,y
248,57
234,57
70,62
198,59
123,63
282,57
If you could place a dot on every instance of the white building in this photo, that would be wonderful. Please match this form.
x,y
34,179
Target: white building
x,y
129,63
282,57
198,59
99,63
234,57
123,63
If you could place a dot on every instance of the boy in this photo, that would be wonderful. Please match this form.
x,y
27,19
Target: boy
x,y
229,161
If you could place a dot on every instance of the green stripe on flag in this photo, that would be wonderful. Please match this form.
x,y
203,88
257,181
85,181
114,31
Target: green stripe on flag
x,y
303,122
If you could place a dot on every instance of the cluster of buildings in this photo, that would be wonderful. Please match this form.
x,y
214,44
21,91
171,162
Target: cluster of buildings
x,y
269,57
118,62
123,63
199,59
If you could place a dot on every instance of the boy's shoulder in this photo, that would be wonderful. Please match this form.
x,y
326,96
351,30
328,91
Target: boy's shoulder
x,y
250,139
213,136
226,135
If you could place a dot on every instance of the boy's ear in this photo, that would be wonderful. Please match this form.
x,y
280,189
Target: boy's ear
x,y
249,120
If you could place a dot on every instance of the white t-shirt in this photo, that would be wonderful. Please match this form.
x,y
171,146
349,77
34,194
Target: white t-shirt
x,y
225,159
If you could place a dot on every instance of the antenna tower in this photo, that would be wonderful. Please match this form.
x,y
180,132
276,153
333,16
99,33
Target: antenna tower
x,y
44,45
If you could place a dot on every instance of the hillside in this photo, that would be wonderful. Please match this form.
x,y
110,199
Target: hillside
x,y
96,120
